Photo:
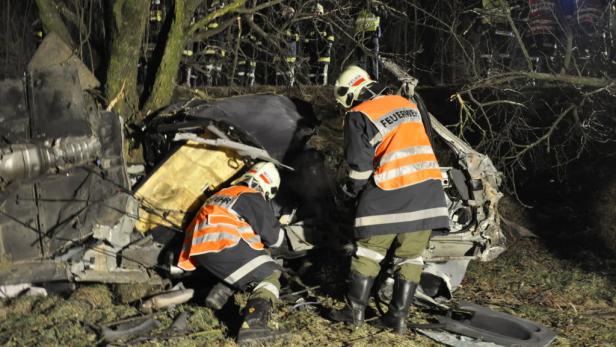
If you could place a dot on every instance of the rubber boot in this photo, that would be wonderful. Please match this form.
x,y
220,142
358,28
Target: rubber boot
x,y
357,299
218,296
395,318
255,328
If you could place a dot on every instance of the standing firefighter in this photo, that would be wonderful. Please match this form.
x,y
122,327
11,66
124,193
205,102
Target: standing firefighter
x,y
214,52
398,180
542,24
367,34
285,72
319,41
249,46
496,36
228,237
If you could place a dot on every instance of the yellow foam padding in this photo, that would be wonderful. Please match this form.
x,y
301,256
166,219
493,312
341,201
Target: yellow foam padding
x,y
180,185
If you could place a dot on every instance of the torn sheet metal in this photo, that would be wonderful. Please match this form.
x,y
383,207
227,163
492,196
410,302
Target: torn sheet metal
x,y
453,340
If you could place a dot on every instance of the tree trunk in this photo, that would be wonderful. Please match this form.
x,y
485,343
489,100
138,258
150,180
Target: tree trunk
x,y
128,22
162,90
52,21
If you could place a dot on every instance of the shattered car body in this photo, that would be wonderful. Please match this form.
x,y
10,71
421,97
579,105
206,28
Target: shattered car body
x,y
69,210
65,205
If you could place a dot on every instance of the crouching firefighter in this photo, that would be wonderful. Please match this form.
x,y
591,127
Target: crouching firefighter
x,y
228,237
397,178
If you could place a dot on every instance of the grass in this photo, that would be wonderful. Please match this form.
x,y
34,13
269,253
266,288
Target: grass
x,y
526,281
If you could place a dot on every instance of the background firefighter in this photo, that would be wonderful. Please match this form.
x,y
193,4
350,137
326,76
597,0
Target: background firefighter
x,y
367,35
247,65
214,51
285,67
542,24
319,41
401,199
228,237
496,36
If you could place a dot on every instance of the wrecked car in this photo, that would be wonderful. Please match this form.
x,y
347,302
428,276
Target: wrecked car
x,y
71,209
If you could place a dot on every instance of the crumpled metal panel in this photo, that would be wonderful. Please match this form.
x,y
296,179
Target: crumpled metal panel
x,y
41,217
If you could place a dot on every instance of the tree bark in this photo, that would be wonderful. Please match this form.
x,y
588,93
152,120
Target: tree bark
x,y
52,21
127,27
164,83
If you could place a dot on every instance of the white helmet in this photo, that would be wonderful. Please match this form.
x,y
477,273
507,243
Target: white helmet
x,y
318,9
349,85
262,176
288,12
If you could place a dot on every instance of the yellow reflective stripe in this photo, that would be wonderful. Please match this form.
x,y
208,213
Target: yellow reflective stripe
x,y
212,25
187,52
402,217
324,60
156,16
331,38
291,59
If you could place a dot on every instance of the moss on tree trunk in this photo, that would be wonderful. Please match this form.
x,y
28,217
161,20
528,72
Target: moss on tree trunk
x,y
127,27
52,22
164,82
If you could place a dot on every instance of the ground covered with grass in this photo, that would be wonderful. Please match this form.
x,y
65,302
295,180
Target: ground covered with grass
x,y
526,281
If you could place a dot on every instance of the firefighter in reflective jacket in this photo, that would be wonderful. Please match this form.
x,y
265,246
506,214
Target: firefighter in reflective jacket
x,y
286,71
401,199
543,25
214,51
228,237
368,33
319,41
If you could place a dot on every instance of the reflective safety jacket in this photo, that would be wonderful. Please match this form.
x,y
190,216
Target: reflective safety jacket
x,y
367,21
403,154
319,40
591,14
394,167
542,18
219,226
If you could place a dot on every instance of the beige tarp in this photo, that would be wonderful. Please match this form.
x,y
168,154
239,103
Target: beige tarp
x,y
180,184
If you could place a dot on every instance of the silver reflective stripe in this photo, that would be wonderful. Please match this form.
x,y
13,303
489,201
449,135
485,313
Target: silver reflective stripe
x,y
214,237
269,287
413,261
405,170
280,239
407,152
206,224
370,254
401,217
247,268
360,175
245,229
376,139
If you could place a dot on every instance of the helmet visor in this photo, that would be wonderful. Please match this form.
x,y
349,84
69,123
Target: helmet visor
x,y
342,91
